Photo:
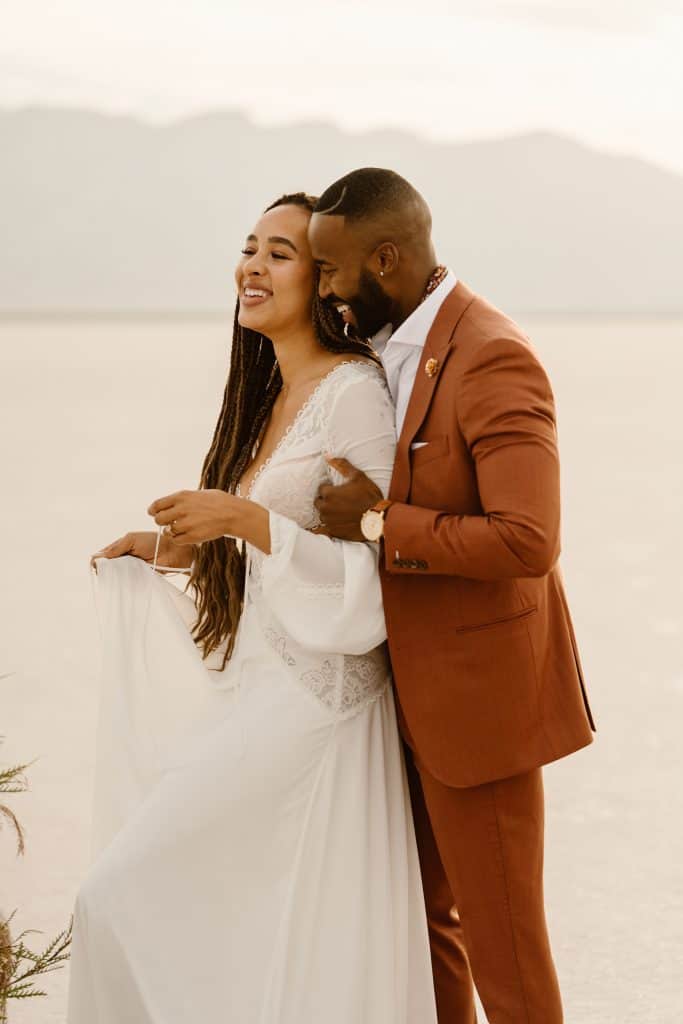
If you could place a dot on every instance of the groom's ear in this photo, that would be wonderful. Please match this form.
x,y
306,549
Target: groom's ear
x,y
387,258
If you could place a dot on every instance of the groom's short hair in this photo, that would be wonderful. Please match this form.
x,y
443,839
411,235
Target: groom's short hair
x,y
367,193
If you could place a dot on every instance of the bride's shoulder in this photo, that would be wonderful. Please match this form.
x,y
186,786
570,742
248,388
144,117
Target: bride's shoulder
x,y
348,378
356,371
358,394
355,380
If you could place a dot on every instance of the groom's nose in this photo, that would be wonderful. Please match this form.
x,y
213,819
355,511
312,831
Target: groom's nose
x,y
324,290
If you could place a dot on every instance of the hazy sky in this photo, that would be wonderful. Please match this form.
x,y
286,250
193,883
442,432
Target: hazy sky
x,y
606,72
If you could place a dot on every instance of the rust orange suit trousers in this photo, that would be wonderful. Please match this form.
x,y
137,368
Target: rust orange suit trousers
x,y
481,854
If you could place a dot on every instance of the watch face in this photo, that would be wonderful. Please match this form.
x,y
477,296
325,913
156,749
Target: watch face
x,y
372,524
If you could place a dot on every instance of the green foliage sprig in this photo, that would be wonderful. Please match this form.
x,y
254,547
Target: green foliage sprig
x,y
20,966
13,780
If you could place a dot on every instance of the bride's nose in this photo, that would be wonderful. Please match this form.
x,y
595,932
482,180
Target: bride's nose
x,y
253,265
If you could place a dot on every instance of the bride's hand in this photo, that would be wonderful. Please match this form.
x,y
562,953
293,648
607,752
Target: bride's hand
x,y
196,516
193,517
142,545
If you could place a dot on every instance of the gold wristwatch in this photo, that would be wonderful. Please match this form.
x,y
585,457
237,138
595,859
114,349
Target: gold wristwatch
x,y
372,521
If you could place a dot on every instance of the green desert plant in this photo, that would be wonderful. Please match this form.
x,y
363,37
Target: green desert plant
x,y
13,780
19,965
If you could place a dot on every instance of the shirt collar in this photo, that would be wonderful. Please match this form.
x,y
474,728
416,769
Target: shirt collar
x,y
415,328
379,340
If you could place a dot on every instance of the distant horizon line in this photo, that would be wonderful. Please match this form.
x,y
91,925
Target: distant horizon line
x,y
178,119
79,314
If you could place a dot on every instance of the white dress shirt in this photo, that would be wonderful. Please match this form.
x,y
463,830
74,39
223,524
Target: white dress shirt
x,y
401,350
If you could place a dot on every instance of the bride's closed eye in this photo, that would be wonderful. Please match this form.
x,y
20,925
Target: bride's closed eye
x,y
275,255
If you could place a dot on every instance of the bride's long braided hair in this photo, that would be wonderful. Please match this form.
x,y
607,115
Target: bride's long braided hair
x,y
253,384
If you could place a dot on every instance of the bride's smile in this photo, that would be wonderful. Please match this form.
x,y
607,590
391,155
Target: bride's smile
x,y
251,296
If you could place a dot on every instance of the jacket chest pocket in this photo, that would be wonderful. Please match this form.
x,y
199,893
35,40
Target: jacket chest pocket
x,y
426,450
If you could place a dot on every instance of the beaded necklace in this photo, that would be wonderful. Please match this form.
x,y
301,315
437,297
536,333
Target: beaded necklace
x,y
435,278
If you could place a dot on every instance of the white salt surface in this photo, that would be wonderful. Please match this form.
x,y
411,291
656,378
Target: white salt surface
x,y
100,417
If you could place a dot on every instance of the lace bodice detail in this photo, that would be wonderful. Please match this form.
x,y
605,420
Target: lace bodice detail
x,y
300,591
289,480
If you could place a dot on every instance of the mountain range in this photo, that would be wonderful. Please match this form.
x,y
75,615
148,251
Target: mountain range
x,y
102,213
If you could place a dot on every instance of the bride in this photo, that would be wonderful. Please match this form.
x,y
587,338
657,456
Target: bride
x,y
255,855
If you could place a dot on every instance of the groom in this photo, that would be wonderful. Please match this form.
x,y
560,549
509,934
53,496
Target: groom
x,y
487,674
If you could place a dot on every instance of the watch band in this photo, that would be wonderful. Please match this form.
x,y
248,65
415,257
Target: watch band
x,y
381,506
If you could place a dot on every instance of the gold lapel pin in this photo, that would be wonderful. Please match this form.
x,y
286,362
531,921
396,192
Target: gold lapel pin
x,y
432,367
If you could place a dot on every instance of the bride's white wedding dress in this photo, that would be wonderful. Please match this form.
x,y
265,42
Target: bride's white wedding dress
x,y
255,855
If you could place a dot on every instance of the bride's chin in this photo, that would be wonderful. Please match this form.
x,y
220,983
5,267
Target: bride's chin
x,y
247,320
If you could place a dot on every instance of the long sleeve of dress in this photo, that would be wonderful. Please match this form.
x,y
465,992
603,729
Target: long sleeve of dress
x,y
326,593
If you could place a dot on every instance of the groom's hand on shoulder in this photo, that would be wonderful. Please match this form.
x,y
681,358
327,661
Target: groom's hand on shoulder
x,y
340,507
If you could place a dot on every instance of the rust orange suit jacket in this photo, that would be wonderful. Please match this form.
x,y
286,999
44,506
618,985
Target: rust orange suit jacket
x,y
487,672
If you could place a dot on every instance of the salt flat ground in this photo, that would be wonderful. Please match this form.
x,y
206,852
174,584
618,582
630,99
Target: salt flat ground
x,y
99,417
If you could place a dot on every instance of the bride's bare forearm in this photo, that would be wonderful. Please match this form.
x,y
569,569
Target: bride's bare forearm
x,y
251,521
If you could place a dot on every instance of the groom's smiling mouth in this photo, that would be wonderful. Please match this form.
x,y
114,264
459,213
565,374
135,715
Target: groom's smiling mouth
x,y
343,308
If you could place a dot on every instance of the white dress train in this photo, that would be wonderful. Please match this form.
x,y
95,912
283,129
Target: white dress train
x,y
255,859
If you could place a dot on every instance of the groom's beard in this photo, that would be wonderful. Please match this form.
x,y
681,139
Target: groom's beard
x,y
371,306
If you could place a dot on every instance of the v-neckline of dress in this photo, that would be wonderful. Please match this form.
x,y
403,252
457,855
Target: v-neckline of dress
x,y
296,419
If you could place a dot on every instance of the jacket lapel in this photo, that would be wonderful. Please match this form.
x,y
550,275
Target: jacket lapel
x,y
437,347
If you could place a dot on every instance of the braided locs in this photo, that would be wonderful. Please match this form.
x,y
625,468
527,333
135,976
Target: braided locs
x,y
254,381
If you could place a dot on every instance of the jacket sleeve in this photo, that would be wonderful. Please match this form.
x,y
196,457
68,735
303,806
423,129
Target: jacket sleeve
x,y
506,414
326,593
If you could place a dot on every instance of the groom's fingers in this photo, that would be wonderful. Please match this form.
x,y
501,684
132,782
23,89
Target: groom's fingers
x,y
321,497
343,466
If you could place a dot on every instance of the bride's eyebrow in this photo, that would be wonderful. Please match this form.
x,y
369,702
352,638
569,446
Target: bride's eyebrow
x,y
275,240
279,240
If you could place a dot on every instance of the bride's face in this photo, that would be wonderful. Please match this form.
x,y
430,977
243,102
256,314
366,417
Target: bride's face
x,y
275,276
